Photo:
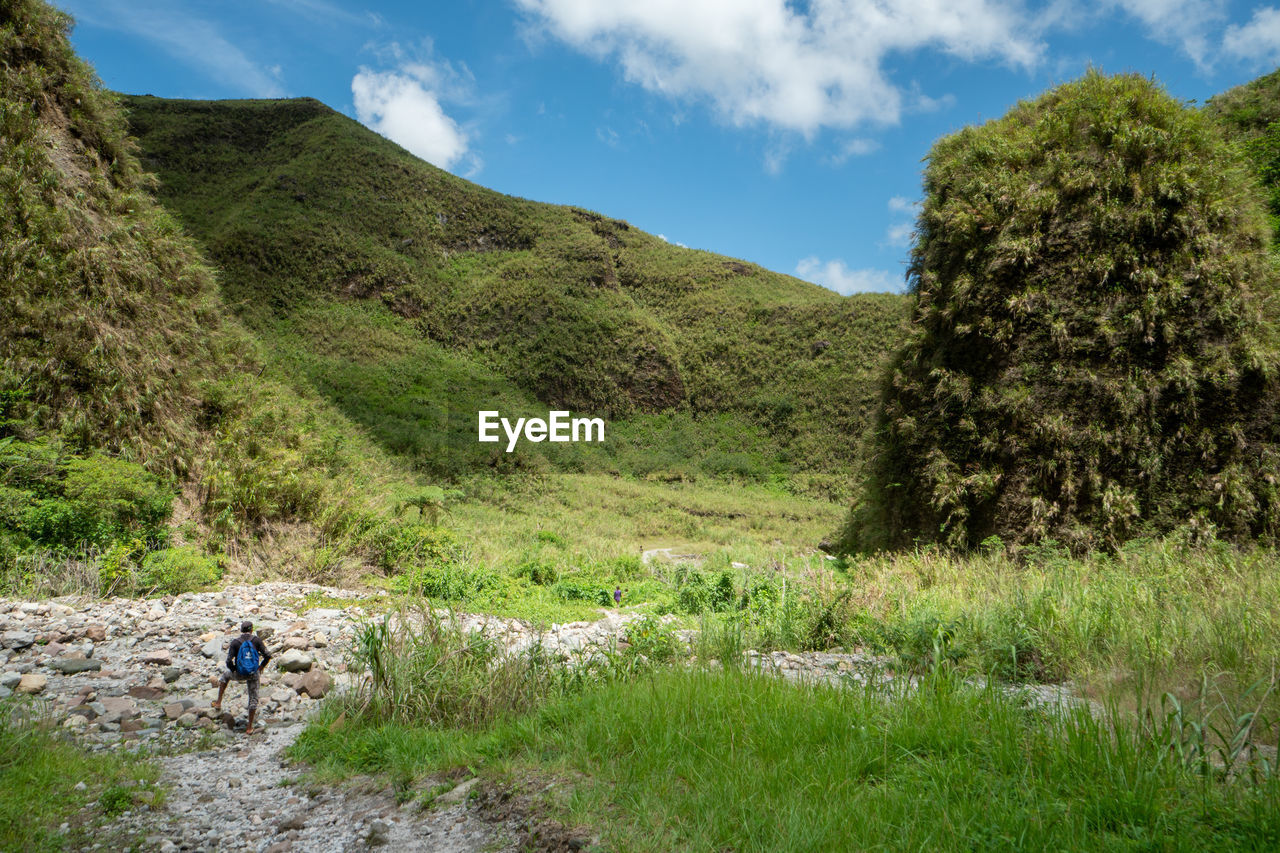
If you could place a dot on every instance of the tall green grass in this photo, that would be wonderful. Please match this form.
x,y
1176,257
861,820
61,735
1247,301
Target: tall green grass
x,y
697,760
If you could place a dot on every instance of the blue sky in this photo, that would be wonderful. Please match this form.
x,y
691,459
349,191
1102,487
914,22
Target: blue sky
x,y
790,134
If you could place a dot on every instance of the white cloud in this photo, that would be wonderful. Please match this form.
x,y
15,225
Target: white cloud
x,y
902,204
324,12
900,233
1257,41
835,275
1182,23
854,148
196,42
790,66
404,106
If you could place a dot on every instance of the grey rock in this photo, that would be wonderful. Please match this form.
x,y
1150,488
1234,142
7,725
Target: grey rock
x,y
17,639
458,793
72,666
295,661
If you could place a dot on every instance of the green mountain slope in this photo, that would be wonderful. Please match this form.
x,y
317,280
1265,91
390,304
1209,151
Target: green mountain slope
x,y
413,298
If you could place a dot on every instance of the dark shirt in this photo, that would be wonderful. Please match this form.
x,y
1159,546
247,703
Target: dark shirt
x,y
234,649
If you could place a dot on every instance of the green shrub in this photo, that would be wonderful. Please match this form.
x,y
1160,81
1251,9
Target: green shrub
x,y
694,595
573,590
537,572
446,582
401,546
117,568
178,570
653,638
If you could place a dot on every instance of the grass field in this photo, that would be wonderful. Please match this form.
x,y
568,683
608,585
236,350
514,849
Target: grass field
x,y
691,759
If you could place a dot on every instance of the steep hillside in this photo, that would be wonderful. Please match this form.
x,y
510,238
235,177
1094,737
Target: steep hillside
x,y
1250,115
413,298
135,412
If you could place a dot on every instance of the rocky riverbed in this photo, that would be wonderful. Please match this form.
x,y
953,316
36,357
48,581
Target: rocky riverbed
x,y
142,674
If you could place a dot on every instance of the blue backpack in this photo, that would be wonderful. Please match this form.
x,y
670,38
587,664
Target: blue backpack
x,y
247,660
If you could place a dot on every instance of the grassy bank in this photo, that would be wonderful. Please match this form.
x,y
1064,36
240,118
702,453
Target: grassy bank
x,y
690,759
39,772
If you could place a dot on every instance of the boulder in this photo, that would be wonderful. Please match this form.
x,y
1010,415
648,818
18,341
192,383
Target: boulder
x,y
74,666
97,633
122,705
174,710
294,661
316,683
32,683
157,657
147,691
10,679
212,648
17,639
299,643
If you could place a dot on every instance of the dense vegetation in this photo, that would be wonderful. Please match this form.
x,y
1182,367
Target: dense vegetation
x,y
413,298
1250,115
1091,358
128,395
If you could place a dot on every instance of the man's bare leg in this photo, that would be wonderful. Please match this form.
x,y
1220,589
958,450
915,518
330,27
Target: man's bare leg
x,y
249,728
217,703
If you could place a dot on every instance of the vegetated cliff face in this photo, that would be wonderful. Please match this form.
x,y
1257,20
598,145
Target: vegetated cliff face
x,y
116,354
109,320
1089,358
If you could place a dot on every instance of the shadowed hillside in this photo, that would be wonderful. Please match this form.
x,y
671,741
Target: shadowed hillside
x,y
413,298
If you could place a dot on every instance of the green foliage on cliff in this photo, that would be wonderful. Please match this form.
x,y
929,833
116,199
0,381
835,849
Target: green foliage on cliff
x,y
1091,356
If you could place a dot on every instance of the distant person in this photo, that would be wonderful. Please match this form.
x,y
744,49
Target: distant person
x,y
247,657
617,596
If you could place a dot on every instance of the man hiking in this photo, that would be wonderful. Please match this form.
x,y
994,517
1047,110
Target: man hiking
x,y
247,656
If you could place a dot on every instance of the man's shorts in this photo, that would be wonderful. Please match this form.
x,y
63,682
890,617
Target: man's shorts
x,y
251,680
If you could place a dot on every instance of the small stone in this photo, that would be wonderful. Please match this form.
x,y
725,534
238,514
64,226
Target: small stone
x,y
96,633
75,721
171,674
320,640
458,794
81,786
174,710
147,691
157,657
297,821
212,648
122,705
188,720
299,643
32,683
10,679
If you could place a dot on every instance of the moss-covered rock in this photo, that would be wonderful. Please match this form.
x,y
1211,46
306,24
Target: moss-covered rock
x,y
1088,359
